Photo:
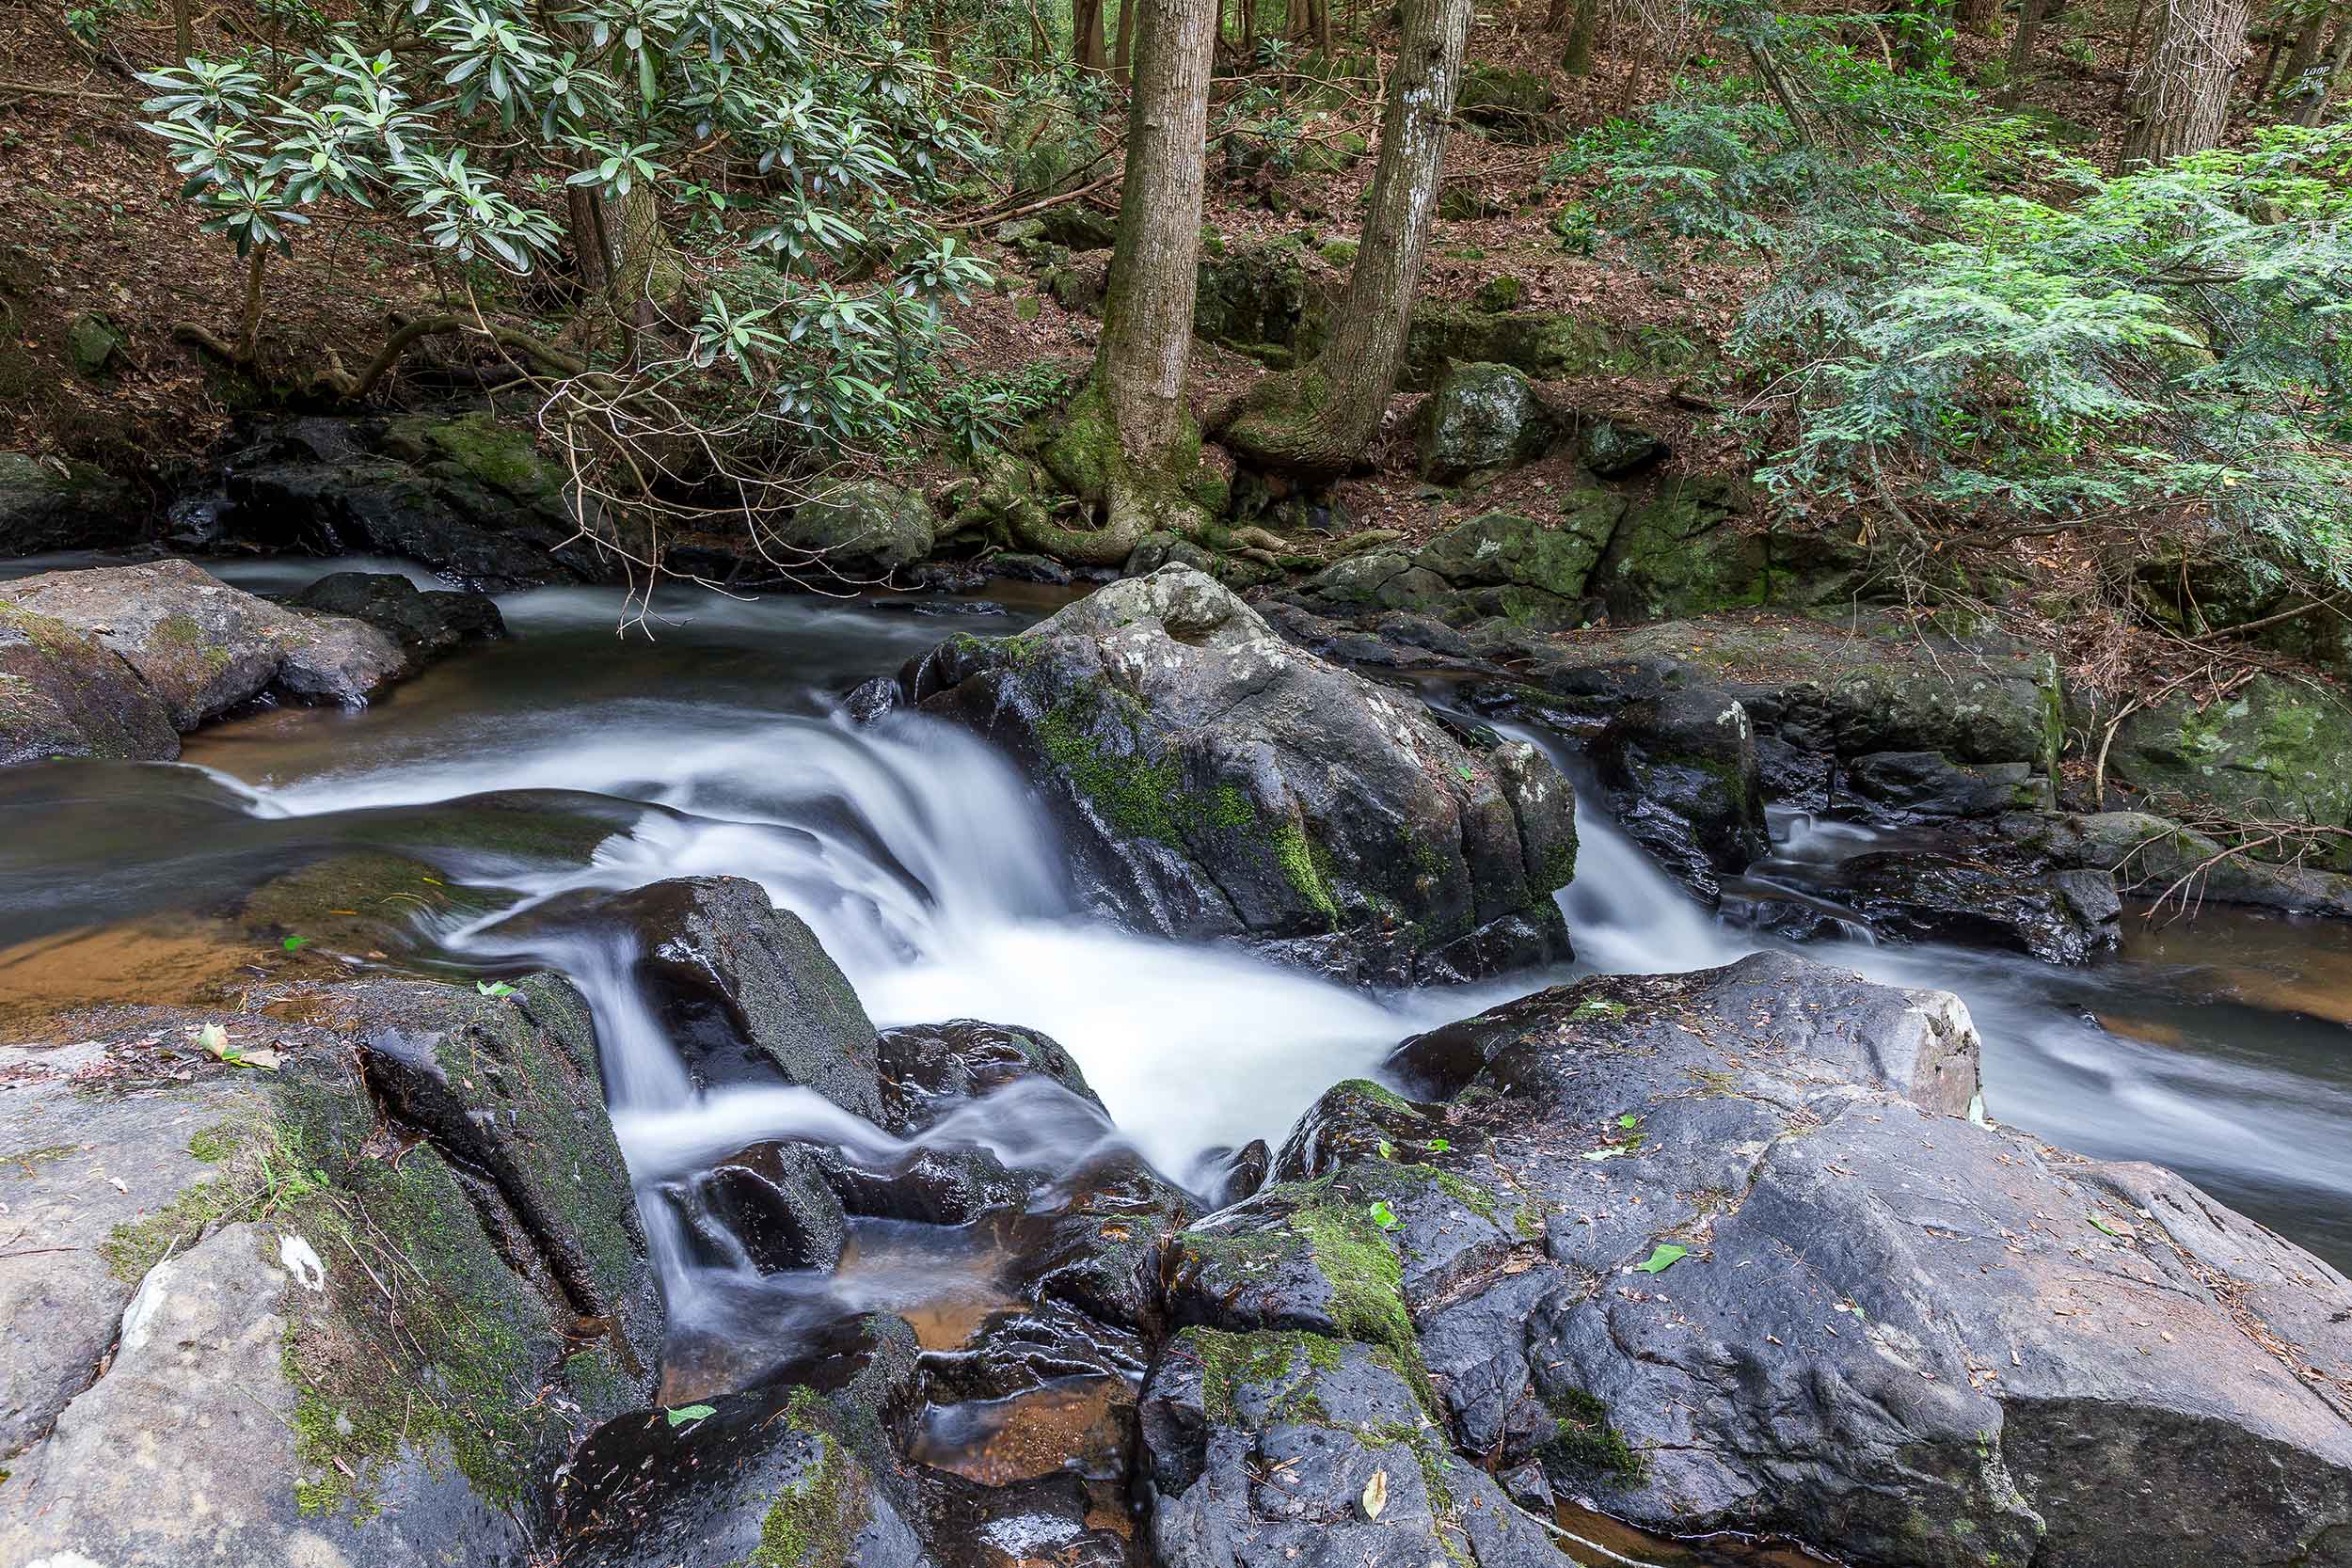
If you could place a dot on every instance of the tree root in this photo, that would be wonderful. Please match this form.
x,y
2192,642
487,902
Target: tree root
x,y
332,380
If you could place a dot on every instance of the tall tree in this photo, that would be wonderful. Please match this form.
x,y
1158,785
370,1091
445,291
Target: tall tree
x,y
1315,421
2338,55
1976,16
1128,441
1088,49
2181,98
1577,58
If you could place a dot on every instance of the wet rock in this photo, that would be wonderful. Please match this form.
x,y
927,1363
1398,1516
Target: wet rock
x,y
926,1186
1043,1519
871,700
743,988
1385,579
1031,1348
774,1199
1025,567
1683,775
1215,782
2271,749
426,625
864,528
928,1069
1228,1176
1268,1449
773,1475
2063,917
1925,785
50,503
1757,1179
1482,419
469,496
63,694
1095,1239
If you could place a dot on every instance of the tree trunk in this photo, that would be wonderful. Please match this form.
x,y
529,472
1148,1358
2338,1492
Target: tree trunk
x,y
183,29
2131,54
2021,51
1132,415
1557,19
592,250
1086,49
2294,80
1125,50
1577,58
2180,100
2338,59
1976,16
249,324
1315,421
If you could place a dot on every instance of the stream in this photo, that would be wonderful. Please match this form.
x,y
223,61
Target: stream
x,y
2219,1048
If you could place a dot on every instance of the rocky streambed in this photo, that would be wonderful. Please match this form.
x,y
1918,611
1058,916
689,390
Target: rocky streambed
x,y
1131,1091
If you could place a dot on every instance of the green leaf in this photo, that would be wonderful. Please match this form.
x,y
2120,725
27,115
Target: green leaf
x,y
1666,1256
494,988
294,944
2118,1235
686,1412
1438,1146
1383,1216
1629,1119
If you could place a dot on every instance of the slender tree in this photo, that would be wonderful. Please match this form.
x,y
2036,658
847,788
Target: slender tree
x,y
2181,98
1314,422
1976,16
2338,57
2029,15
1577,58
1088,49
1128,436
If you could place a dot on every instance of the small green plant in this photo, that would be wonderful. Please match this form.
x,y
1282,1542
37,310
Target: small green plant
x,y
1382,1215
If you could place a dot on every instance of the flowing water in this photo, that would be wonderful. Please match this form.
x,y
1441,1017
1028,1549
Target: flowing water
x,y
933,878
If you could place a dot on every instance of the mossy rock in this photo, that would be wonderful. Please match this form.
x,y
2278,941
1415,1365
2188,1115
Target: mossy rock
x,y
1262,300
49,503
1548,345
499,457
1511,106
1482,420
867,526
2272,748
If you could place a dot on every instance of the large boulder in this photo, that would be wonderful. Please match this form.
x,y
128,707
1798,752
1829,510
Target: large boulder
x,y
2269,749
1728,1251
2154,856
377,1276
64,694
864,527
202,646
1681,771
1529,570
1263,300
467,496
1216,783
1481,420
49,503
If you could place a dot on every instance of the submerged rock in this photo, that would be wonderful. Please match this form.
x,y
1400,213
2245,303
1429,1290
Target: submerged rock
x,y
1722,1251
1216,783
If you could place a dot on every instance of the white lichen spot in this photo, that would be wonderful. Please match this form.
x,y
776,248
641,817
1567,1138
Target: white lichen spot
x,y
302,1262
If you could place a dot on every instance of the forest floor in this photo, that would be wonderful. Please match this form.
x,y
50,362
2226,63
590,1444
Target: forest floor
x,y
90,224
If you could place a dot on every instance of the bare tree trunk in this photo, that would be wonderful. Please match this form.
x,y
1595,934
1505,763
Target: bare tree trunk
x,y
1125,50
2338,59
1086,49
182,30
1976,16
2021,51
2181,99
1130,426
1557,21
249,325
1314,422
1577,58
